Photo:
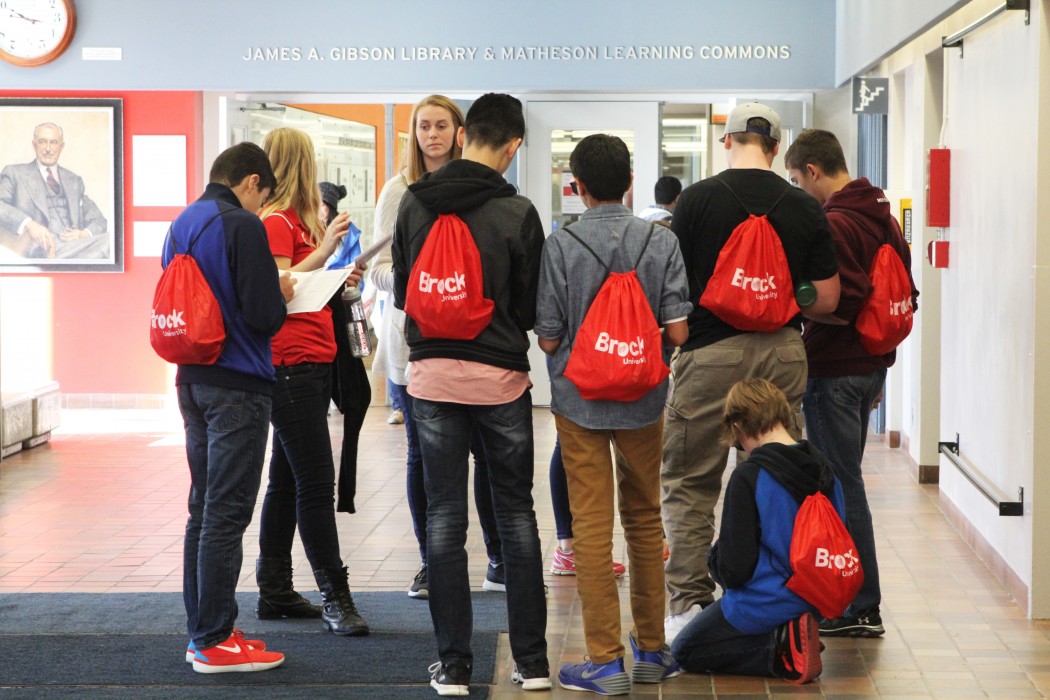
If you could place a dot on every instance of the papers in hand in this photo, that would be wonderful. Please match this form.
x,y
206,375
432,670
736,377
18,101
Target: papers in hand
x,y
314,289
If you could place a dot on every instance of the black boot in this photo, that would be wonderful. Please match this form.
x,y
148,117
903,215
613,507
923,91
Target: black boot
x,y
339,613
277,598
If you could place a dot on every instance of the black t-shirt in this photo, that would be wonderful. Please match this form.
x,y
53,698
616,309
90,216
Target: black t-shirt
x,y
706,215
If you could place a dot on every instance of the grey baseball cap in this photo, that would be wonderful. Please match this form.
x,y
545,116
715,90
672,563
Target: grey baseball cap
x,y
736,122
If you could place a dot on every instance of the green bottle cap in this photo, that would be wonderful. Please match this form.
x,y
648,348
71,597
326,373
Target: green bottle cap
x,y
805,294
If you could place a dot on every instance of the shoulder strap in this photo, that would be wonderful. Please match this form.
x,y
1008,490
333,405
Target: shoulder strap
x,y
860,221
741,203
652,227
204,228
196,237
589,249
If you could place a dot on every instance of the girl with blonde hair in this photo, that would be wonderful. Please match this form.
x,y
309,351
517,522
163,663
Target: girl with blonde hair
x,y
301,484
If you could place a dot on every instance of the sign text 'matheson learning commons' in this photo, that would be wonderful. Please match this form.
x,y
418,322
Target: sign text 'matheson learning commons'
x,y
672,52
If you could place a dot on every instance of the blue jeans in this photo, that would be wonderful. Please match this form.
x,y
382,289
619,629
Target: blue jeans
x,y
559,487
417,494
560,494
445,431
301,490
225,445
395,395
837,411
710,644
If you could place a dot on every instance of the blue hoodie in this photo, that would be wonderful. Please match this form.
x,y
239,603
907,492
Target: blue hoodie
x,y
752,558
234,256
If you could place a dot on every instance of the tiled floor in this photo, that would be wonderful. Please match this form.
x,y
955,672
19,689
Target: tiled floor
x,y
102,507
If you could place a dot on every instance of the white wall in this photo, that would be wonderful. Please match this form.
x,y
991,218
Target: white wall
x,y
21,366
867,31
980,345
987,298
988,292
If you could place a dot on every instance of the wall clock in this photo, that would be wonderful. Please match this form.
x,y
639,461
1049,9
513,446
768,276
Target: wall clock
x,y
35,32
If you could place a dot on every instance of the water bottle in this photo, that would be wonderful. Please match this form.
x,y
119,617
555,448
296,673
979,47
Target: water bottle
x,y
805,294
356,324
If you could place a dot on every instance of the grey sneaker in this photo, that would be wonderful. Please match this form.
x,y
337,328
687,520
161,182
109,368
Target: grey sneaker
x,y
419,588
496,577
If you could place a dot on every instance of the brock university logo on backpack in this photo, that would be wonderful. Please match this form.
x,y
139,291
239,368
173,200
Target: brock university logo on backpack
x,y
751,287
617,354
446,289
885,319
186,326
826,570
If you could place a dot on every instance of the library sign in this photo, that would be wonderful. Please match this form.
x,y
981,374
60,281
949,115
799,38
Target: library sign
x,y
510,54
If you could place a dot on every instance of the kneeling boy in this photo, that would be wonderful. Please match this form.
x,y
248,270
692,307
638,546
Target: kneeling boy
x,y
759,627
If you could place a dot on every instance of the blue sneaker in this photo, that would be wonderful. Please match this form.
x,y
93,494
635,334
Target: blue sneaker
x,y
653,666
604,679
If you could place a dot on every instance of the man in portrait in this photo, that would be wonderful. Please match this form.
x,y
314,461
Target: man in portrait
x,y
44,212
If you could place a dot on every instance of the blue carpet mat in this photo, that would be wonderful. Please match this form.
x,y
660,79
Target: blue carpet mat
x,y
293,692
133,644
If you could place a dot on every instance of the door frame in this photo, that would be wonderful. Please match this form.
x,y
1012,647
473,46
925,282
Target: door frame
x,y
542,116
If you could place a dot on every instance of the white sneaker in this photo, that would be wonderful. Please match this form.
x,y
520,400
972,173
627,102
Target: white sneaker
x,y
673,624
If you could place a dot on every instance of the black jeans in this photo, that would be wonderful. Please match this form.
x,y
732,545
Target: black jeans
x,y
417,494
301,490
445,431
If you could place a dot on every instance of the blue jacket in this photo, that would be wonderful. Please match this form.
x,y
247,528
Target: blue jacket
x,y
234,256
752,558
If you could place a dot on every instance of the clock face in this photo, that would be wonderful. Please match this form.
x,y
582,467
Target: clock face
x,y
34,32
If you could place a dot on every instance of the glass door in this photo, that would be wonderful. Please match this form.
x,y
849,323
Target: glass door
x,y
554,129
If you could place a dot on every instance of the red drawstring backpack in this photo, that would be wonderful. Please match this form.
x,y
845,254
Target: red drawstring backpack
x,y
827,572
446,290
617,354
885,319
186,327
751,287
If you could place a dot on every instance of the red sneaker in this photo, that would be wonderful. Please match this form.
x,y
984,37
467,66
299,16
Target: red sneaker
x,y
798,650
564,564
191,650
236,654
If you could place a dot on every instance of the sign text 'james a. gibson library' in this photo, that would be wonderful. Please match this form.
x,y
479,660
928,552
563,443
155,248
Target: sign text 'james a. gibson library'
x,y
671,52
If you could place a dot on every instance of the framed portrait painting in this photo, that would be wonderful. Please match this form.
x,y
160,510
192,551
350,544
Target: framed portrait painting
x,y
61,185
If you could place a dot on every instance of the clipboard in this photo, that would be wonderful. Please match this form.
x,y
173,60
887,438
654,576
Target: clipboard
x,y
314,289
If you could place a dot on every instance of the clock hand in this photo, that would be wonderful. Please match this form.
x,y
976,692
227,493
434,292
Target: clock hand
x,y
28,19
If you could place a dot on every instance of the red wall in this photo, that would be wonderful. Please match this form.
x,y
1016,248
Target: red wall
x,y
101,320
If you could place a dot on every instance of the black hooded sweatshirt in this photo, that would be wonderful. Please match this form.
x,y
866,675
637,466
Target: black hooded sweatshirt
x,y
507,230
801,469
